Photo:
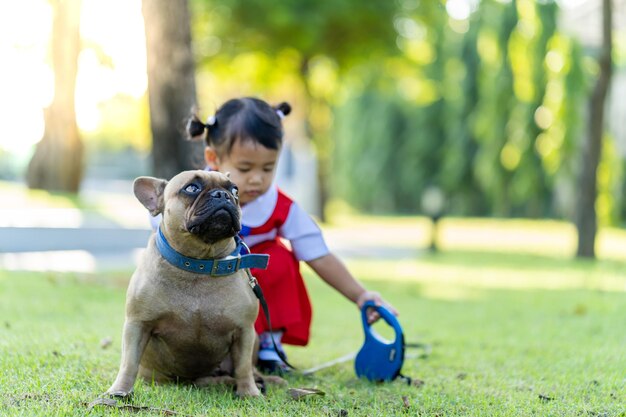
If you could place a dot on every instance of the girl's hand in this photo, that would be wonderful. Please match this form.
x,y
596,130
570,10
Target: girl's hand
x,y
372,314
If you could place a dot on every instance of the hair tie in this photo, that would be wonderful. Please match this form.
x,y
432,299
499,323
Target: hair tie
x,y
211,121
280,114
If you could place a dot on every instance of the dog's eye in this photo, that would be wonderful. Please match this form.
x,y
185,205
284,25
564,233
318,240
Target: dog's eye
x,y
192,189
235,192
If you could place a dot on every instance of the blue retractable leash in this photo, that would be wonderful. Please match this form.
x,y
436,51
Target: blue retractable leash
x,y
380,359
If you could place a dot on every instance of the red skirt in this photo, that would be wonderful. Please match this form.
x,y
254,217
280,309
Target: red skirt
x,y
285,293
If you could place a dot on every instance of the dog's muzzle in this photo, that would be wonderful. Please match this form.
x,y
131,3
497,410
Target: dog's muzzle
x,y
214,215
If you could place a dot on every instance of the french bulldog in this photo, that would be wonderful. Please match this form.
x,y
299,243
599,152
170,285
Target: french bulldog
x,y
182,323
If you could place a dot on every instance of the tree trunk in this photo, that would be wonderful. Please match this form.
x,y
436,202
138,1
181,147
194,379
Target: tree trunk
x,y
586,219
171,86
57,164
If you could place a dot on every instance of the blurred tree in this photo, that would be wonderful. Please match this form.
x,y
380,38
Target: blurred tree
x,y
529,186
330,37
485,109
171,85
57,163
498,154
456,175
586,219
560,116
456,90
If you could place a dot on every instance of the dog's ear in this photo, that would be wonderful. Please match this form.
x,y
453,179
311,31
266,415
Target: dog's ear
x,y
149,191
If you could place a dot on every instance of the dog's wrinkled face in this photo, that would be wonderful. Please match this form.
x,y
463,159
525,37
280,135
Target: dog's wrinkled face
x,y
213,212
201,203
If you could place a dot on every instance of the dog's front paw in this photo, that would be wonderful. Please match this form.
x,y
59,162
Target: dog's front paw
x,y
247,390
119,393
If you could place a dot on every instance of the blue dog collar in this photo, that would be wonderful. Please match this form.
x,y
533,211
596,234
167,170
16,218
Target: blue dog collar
x,y
213,267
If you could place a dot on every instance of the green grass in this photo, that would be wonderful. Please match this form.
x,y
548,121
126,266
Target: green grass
x,y
510,335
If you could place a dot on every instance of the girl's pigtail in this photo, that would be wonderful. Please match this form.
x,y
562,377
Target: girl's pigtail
x,y
283,109
195,128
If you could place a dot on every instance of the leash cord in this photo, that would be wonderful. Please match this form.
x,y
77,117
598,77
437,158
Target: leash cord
x,y
256,288
405,378
425,347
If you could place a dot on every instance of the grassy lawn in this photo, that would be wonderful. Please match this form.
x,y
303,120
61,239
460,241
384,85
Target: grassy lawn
x,y
510,335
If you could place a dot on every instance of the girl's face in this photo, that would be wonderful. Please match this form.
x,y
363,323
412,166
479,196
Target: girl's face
x,y
252,167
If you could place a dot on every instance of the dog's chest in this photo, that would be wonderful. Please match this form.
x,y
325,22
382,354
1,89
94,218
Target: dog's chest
x,y
193,324
204,308
194,321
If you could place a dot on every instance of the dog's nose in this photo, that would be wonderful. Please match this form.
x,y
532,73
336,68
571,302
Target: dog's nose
x,y
221,194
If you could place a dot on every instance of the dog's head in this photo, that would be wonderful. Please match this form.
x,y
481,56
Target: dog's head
x,y
199,203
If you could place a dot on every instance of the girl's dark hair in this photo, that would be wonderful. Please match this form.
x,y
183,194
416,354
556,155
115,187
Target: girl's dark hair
x,y
246,118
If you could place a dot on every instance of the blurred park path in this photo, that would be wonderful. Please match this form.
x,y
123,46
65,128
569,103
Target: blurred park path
x,y
106,229
105,232
110,232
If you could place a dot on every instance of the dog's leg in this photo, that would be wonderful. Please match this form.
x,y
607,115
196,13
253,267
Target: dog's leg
x,y
214,380
134,340
242,360
222,375
270,379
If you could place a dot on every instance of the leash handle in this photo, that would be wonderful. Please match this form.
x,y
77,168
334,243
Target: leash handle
x,y
380,359
386,315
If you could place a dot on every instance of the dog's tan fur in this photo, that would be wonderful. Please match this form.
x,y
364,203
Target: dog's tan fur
x,y
179,325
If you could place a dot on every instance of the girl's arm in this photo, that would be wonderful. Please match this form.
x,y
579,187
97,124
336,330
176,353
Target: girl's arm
x,y
335,274
308,244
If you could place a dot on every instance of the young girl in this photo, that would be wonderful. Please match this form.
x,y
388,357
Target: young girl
x,y
244,137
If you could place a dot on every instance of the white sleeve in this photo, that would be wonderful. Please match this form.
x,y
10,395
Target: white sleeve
x,y
155,221
304,235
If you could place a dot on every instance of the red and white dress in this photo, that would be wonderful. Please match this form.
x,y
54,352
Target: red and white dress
x,y
268,222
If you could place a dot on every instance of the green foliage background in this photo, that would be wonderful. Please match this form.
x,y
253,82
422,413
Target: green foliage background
x,y
499,133
399,98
